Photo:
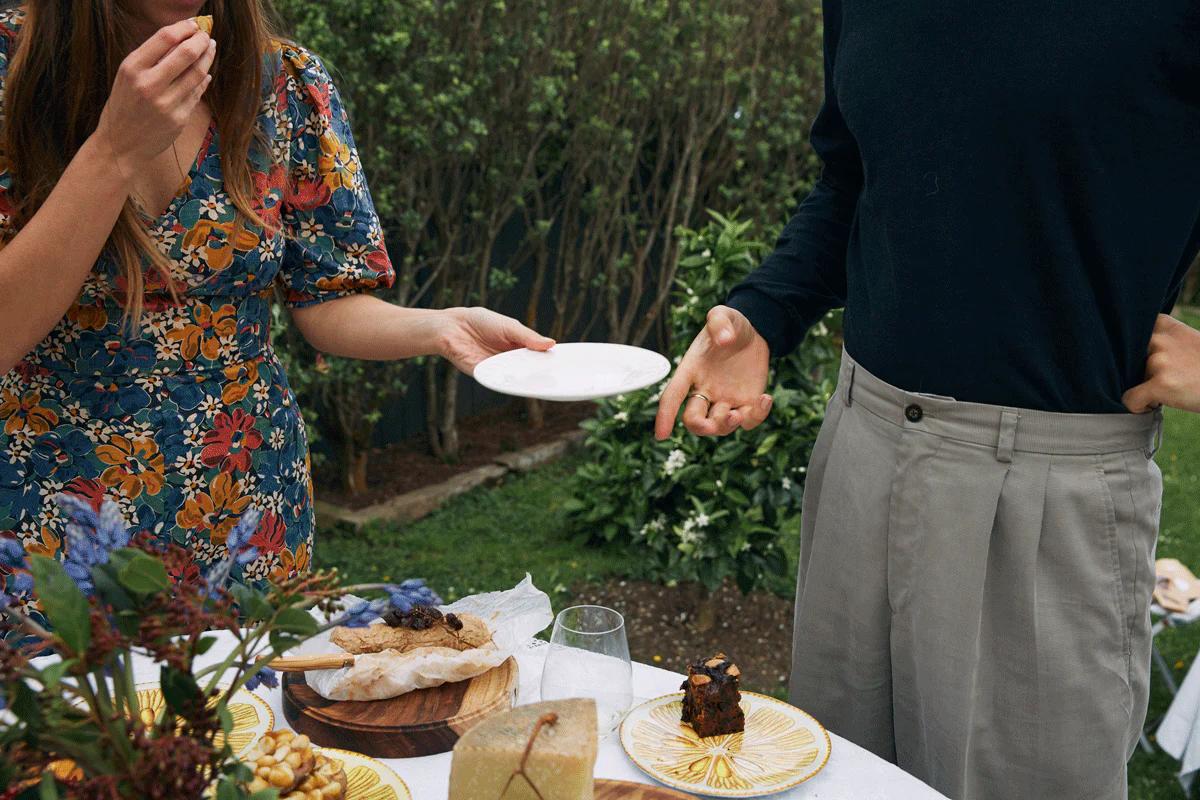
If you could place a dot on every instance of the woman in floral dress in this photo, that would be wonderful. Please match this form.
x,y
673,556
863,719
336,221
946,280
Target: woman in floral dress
x,y
155,384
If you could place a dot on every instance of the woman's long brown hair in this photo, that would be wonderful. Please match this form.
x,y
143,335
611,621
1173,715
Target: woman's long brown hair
x,y
59,79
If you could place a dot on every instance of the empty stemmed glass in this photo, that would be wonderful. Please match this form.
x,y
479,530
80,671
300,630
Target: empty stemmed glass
x,y
589,657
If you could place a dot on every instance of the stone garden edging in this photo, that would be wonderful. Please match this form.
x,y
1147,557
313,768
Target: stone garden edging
x,y
418,503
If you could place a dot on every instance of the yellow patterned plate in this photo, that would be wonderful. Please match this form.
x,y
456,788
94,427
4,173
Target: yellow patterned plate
x,y
781,747
252,717
367,778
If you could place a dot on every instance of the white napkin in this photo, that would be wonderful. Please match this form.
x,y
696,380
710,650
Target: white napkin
x,y
1179,732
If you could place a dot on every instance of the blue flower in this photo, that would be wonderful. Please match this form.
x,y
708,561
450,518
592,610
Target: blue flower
x,y
362,614
236,543
240,553
60,453
412,592
264,677
12,554
21,583
91,537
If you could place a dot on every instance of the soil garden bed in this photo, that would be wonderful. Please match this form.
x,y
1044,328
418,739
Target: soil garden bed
x,y
755,630
408,465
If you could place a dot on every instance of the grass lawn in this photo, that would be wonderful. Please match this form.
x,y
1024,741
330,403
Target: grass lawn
x,y
490,538
1153,777
485,540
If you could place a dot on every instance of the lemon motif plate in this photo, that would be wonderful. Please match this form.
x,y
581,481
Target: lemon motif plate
x,y
252,717
368,779
781,747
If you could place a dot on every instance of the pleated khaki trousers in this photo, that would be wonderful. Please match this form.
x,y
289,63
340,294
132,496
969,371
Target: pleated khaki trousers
x,y
974,589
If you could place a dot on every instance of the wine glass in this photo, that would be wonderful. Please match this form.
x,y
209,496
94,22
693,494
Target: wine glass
x,y
589,657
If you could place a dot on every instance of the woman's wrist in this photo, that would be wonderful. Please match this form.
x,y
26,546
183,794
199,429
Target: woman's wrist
x,y
99,149
447,322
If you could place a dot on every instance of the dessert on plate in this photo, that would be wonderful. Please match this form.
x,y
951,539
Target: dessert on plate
x,y
542,751
711,698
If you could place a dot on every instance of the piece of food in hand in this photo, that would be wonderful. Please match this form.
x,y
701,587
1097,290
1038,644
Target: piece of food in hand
x,y
281,760
711,698
542,751
455,632
204,23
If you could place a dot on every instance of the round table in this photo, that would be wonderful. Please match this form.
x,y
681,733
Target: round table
x,y
852,773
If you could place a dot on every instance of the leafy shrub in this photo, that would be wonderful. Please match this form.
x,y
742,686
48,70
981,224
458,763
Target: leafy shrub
x,y
544,151
702,509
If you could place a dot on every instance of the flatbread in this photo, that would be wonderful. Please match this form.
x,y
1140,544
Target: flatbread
x,y
378,637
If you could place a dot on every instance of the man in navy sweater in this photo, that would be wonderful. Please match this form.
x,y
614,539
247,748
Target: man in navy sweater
x,y
1009,202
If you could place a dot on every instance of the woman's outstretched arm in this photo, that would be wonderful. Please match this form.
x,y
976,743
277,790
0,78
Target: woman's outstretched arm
x,y
43,266
361,326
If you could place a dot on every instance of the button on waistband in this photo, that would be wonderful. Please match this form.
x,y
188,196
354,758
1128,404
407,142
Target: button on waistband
x,y
914,413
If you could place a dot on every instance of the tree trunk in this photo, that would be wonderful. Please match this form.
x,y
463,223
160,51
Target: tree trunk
x,y
536,412
432,406
704,612
354,465
449,413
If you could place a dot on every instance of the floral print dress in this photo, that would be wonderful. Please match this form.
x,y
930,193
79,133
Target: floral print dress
x,y
189,421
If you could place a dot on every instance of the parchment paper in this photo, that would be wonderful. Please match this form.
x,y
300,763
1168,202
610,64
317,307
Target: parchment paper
x,y
513,616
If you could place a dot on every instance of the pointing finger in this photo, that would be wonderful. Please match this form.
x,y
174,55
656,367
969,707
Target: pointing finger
x,y
669,403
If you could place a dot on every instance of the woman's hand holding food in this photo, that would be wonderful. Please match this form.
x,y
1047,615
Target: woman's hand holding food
x,y
157,88
722,377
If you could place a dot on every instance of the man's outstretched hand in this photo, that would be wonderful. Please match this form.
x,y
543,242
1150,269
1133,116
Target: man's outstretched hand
x,y
722,378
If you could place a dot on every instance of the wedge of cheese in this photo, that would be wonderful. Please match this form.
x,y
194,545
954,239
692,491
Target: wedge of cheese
x,y
560,763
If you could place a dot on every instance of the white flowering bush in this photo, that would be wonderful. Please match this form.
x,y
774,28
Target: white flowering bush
x,y
701,509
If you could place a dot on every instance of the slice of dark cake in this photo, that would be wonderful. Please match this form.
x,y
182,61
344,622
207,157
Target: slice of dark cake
x,y
711,700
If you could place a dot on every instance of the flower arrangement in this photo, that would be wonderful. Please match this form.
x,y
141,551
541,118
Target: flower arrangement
x,y
73,727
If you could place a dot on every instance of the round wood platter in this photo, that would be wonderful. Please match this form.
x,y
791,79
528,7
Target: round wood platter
x,y
623,790
421,723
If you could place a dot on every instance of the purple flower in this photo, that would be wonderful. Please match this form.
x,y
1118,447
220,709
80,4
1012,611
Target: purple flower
x,y
264,677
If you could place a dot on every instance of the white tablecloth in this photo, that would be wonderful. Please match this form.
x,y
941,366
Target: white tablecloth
x,y
852,773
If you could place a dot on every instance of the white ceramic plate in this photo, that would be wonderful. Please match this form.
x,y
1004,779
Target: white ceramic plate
x,y
782,747
573,371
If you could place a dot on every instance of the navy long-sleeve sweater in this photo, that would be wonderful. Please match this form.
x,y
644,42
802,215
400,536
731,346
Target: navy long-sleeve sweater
x,y
1010,195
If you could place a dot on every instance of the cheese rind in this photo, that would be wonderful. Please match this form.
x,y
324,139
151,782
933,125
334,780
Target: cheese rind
x,y
560,764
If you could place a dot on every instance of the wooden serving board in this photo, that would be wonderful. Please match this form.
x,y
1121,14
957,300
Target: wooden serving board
x,y
623,790
420,723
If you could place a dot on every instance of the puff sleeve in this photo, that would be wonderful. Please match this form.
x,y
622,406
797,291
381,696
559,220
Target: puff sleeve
x,y
334,243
